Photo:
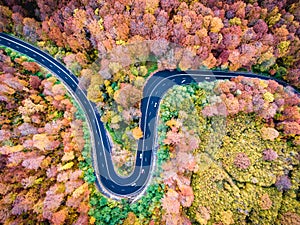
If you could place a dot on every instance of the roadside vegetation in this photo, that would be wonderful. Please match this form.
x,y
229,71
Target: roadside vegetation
x,y
239,164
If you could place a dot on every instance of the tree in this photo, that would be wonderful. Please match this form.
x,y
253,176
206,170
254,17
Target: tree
x,y
33,163
290,128
59,217
269,133
5,18
137,133
35,82
4,135
128,96
231,37
31,29
52,201
23,202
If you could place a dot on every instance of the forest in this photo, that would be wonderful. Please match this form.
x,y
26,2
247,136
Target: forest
x,y
228,150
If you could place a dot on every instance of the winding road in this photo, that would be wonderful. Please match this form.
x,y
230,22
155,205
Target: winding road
x,y
108,181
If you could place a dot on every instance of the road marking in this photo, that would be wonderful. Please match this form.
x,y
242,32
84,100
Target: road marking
x,y
155,104
157,86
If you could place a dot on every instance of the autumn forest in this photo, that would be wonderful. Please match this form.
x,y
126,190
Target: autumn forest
x,y
228,150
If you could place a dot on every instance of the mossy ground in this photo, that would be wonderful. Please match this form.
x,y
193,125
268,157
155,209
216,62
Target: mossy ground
x,y
233,195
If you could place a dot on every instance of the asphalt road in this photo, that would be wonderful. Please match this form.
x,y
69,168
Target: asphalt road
x,y
108,181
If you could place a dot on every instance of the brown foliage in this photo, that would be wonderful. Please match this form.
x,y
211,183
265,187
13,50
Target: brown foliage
x,y
59,217
34,146
128,96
